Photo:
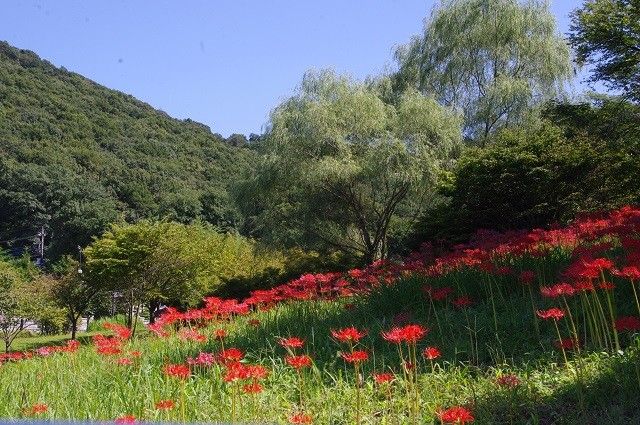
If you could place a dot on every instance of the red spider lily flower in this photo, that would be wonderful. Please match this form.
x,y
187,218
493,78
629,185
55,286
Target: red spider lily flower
x,y
135,354
455,415
220,333
180,371
291,342
158,329
527,277
254,322
629,272
409,334
356,356
440,294
553,313
231,355
236,372
187,334
124,361
300,418
38,409
72,346
628,323
584,286
350,334
607,286
126,420
203,359
503,271
298,362
107,346
252,388
431,353
508,381
383,378
120,331
558,290
600,263
565,343
257,371
463,302
165,405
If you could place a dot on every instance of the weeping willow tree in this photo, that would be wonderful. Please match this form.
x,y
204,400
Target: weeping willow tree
x,y
493,59
340,163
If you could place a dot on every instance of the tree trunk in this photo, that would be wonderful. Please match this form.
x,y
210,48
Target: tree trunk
x,y
74,327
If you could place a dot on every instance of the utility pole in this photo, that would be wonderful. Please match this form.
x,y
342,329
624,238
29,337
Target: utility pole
x,y
41,235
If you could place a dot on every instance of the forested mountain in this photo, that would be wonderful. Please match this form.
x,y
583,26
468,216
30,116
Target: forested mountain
x,y
76,156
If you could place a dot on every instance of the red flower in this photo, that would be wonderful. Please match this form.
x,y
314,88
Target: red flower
x,y
356,356
236,372
381,378
527,277
257,371
628,323
300,418
125,361
165,405
125,420
122,332
553,313
254,322
508,381
253,388
630,272
231,355
220,333
291,342
38,409
565,343
348,334
455,415
438,294
431,353
298,362
409,334
462,302
180,371
558,290
607,286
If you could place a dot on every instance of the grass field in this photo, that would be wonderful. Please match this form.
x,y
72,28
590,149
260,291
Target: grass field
x,y
537,328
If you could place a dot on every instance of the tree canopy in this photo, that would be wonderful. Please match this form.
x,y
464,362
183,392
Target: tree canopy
x,y
492,59
339,163
606,35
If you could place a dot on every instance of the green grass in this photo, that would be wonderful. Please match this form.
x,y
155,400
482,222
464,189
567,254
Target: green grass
x,y
33,342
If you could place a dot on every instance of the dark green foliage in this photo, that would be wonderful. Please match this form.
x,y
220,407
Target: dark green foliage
x,y
75,157
582,158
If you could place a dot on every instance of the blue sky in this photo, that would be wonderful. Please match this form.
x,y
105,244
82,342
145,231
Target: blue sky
x,y
225,63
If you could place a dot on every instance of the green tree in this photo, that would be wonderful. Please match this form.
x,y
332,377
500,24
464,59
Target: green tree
x,y
339,163
493,59
606,35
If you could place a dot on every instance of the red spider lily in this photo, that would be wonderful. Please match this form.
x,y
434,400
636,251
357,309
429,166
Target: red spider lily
x,y
383,378
508,381
125,420
350,334
463,302
220,333
431,353
355,356
558,290
231,355
409,334
584,286
165,405
553,313
107,346
298,362
291,342
628,324
158,329
252,388
72,346
120,331
607,286
135,354
565,344
254,322
439,294
180,371
187,334
236,372
629,272
300,418
257,371
38,409
455,415
124,361
203,359
527,277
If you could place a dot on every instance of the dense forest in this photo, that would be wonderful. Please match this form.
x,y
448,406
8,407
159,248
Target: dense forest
x,y
76,157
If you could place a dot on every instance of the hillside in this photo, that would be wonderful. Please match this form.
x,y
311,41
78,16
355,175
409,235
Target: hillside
x,y
76,156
